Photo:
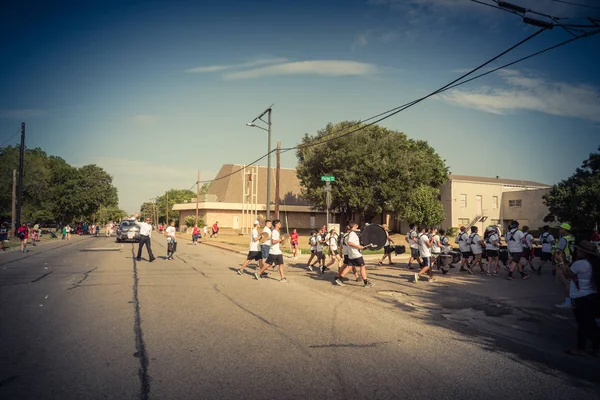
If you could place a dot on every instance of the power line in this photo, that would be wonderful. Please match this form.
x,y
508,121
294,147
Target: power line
x,y
576,4
10,138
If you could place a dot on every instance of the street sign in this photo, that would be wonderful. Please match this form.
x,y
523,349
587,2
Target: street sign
x,y
327,178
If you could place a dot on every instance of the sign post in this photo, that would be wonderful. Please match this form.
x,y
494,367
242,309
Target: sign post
x,y
328,179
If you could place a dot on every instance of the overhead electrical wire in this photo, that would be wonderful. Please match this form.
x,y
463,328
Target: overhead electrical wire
x,y
10,138
576,4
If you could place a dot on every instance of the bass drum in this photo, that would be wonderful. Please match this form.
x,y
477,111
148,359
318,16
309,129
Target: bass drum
x,y
400,249
373,236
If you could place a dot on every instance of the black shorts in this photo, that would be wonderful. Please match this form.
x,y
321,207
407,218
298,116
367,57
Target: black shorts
x,y
466,254
313,252
527,252
345,259
320,255
334,252
546,256
516,257
426,261
254,255
414,253
387,249
491,253
356,262
275,259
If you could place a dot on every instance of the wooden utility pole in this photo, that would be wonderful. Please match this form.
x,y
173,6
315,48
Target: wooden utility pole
x,y
277,180
197,195
14,204
167,214
17,220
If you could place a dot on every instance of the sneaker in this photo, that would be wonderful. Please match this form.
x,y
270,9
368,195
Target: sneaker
x,y
240,272
416,278
284,280
152,259
494,273
369,284
338,282
483,271
264,274
380,263
525,276
563,305
308,267
432,280
462,269
139,259
444,271
322,270
510,278
488,273
257,276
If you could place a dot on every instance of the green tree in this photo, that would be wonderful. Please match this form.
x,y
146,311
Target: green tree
x,y
577,198
423,207
376,170
204,188
190,221
175,196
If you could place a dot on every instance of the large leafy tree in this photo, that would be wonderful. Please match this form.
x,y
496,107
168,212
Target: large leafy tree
x,y
577,198
376,169
175,196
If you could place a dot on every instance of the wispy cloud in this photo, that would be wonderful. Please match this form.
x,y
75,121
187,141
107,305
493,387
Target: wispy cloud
x,y
248,64
22,113
319,67
145,119
531,93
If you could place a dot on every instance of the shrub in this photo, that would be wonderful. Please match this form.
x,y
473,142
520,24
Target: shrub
x,y
452,231
191,221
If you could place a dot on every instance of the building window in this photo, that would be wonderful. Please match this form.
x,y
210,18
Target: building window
x,y
495,202
463,200
514,203
463,222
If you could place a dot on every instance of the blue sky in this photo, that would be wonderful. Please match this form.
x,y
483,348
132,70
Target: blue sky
x,y
153,91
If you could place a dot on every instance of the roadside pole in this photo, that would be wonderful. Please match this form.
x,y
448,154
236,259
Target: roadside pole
x,y
328,179
11,232
197,195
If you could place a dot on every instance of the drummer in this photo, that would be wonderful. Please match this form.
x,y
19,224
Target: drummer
x,y
312,241
411,239
334,253
265,246
320,247
254,253
355,259
275,255
387,248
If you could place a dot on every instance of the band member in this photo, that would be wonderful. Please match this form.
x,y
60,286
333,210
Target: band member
x,y
344,246
254,253
320,247
476,248
312,241
355,258
275,254
492,248
465,249
445,248
334,252
171,240
425,243
527,244
514,241
547,241
387,248
411,239
264,248
436,248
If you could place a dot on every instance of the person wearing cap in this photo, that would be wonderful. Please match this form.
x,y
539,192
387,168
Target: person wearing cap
x,y
254,252
584,276
547,241
465,249
564,252
514,242
387,248
355,258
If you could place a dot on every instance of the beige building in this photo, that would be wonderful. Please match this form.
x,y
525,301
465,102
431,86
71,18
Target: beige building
x,y
481,201
236,198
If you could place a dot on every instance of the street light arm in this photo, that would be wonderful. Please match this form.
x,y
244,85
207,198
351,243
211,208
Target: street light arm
x,y
256,126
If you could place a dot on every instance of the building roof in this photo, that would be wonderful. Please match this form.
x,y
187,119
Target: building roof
x,y
228,185
502,181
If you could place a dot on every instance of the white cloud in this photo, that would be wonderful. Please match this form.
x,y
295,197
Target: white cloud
x,y
531,93
145,120
323,67
248,64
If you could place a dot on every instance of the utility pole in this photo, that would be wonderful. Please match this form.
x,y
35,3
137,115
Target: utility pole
x,y
269,166
197,195
277,180
167,202
14,202
328,191
17,220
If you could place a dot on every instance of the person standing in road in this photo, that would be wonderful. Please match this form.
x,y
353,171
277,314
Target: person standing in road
x,y
514,241
69,229
275,254
547,241
425,243
527,244
436,249
312,242
145,240
355,258
333,249
320,249
465,249
171,240
411,239
254,253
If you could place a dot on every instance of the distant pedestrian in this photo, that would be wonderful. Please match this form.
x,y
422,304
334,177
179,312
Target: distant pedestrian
x,y
205,231
547,241
97,229
294,243
254,253
145,240
195,234
3,235
23,235
275,254
64,232
171,240
334,252
34,236
564,252
69,229
527,244
312,242
320,249
215,229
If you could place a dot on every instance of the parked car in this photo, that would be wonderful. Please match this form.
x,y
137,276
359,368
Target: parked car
x,y
128,231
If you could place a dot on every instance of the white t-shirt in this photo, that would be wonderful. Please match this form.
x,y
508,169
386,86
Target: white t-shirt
x,y
146,229
445,244
319,244
345,244
424,249
254,245
546,239
474,242
527,241
266,229
463,242
333,240
412,239
275,247
436,247
387,238
171,231
492,242
583,271
353,252
514,244
313,243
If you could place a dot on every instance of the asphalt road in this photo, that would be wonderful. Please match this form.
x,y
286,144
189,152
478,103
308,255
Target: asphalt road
x,y
82,320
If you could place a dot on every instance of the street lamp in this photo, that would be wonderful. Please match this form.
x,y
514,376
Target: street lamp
x,y
268,130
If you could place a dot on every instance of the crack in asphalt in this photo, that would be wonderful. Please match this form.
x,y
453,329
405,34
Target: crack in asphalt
x,y
42,277
352,345
85,276
140,345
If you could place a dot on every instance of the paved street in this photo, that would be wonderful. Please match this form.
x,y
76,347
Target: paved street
x,y
82,320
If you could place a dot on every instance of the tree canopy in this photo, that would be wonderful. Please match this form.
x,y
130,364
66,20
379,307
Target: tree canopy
x,y
175,196
376,170
53,190
577,198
